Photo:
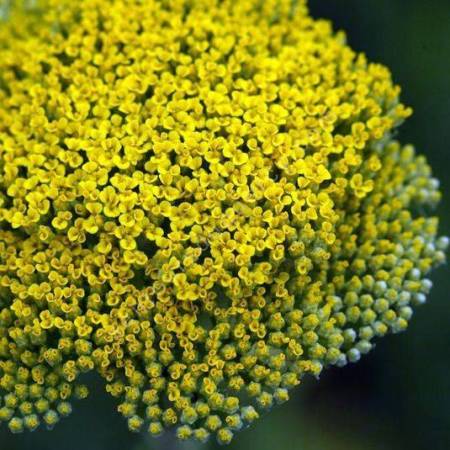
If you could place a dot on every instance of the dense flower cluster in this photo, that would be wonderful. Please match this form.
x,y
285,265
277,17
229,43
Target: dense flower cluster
x,y
201,201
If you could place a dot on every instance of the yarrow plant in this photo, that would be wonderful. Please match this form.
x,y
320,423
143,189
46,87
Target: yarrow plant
x,y
202,201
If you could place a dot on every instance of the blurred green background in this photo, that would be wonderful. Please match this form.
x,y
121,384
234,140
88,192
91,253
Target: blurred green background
x,y
397,397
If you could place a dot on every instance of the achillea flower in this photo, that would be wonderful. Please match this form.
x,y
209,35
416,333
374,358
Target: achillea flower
x,y
202,201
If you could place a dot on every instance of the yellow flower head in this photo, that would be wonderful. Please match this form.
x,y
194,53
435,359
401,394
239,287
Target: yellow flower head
x,y
202,201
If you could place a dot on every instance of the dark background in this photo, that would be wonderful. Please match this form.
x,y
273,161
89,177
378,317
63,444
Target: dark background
x,y
397,397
